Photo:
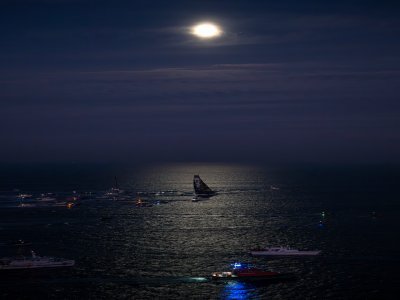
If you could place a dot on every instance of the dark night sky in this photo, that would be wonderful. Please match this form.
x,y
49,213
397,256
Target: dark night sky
x,y
105,81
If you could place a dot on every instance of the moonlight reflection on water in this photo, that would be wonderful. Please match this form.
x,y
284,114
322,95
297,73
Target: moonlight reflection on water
x,y
150,252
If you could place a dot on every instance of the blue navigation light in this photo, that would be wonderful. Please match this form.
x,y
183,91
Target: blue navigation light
x,y
238,265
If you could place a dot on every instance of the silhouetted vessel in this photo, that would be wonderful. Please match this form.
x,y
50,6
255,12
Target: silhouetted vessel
x,y
200,188
34,262
282,251
140,203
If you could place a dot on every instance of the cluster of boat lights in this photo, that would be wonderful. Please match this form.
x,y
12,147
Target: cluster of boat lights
x,y
139,202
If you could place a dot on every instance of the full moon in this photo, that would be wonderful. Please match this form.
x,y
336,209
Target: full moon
x,y
206,30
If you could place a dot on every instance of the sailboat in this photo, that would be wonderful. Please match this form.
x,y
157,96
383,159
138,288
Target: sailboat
x,y
200,188
115,191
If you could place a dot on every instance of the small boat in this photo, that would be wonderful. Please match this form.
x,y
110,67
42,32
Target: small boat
x,y
34,262
195,198
22,243
247,272
281,251
200,188
115,191
25,196
75,197
140,203
26,205
46,197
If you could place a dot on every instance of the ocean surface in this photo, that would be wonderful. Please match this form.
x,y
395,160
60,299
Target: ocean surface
x,y
168,249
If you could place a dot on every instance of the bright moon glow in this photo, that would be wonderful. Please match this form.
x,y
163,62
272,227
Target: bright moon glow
x,y
206,30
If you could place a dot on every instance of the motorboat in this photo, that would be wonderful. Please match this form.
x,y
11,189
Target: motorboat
x,y
25,196
75,197
247,272
34,262
281,251
46,197
140,203
27,205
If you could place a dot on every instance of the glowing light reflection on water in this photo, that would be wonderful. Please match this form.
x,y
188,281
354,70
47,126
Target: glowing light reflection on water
x,y
238,290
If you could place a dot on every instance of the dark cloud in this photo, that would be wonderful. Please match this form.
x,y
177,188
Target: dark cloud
x,y
224,83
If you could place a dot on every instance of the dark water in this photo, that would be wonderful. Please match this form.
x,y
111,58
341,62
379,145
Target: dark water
x,y
168,251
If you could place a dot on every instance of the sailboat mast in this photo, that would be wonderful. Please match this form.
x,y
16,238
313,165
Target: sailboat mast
x,y
116,182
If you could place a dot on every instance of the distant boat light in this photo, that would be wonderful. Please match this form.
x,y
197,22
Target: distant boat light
x,y
237,265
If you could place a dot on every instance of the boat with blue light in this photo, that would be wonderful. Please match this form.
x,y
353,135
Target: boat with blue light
x,y
248,272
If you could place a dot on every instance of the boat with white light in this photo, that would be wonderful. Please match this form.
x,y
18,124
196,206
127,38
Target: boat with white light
x,y
25,196
27,204
282,251
46,197
34,262
247,272
115,192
